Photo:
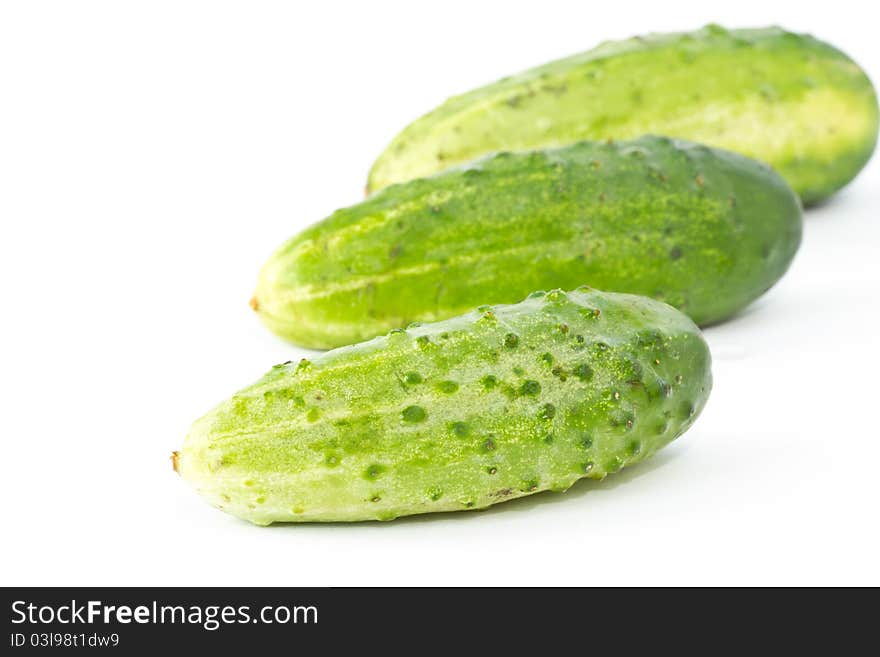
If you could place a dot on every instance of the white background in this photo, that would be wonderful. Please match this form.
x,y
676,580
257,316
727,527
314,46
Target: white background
x,y
153,154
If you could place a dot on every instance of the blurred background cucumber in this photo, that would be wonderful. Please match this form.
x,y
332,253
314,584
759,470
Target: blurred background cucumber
x,y
787,99
702,229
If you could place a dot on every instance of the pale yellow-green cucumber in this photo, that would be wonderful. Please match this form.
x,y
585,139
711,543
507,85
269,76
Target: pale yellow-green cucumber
x,y
787,99
501,402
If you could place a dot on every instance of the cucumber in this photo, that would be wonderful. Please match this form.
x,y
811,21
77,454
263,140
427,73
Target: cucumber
x,y
702,229
783,98
499,403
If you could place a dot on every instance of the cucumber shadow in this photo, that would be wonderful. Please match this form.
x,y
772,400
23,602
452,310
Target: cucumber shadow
x,y
741,315
528,503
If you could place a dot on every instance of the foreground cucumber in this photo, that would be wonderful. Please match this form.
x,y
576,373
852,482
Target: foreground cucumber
x,y
787,99
460,414
705,230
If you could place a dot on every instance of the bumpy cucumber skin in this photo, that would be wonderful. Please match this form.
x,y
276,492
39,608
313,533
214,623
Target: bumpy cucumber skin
x,y
460,414
783,98
704,230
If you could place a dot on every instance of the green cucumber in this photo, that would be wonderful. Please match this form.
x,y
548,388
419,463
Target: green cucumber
x,y
787,99
702,229
460,414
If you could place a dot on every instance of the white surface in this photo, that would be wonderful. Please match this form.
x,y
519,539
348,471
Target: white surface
x,y
153,154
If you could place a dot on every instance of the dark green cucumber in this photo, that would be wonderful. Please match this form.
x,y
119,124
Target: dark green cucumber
x,y
787,99
705,230
459,414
